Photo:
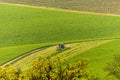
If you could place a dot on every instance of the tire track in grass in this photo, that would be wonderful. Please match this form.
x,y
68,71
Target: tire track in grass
x,y
25,62
20,57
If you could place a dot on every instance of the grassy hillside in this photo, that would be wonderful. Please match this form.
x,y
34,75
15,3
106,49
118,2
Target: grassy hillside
x,y
100,6
26,26
23,25
99,53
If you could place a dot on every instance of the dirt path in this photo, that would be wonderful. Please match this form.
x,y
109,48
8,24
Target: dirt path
x,y
58,9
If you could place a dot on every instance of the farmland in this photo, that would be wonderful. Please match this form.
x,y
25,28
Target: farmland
x,y
19,26
77,51
17,29
22,28
99,6
97,52
75,48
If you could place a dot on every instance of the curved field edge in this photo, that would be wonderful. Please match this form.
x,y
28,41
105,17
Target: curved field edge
x,y
59,9
9,53
75,49
100,6
14,53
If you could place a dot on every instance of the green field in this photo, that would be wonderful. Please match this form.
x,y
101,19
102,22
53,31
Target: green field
x,y
25,28
24,25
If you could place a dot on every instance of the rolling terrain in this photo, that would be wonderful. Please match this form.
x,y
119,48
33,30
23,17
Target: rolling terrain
x,y
76,51
26,25
98,53
93,36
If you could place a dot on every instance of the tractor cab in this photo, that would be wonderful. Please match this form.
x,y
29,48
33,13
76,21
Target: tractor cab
x,y
60,46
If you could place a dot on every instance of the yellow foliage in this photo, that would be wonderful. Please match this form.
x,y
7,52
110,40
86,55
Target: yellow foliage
x,y
48,69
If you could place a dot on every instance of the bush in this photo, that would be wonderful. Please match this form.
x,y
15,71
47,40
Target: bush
x,y
48,69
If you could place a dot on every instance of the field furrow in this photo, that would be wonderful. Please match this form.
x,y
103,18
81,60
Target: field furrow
x,y
75,49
